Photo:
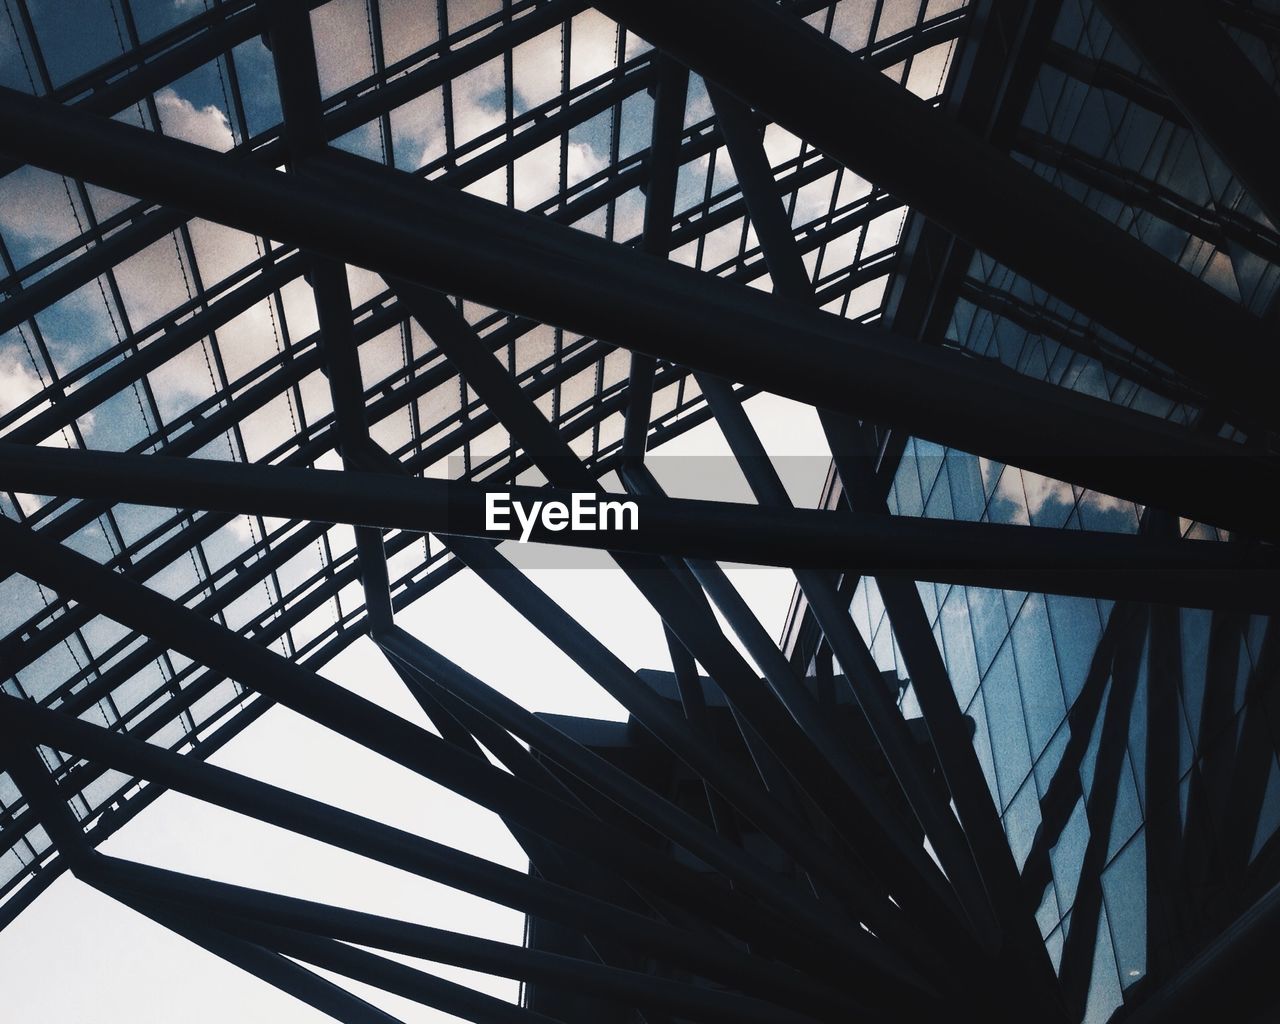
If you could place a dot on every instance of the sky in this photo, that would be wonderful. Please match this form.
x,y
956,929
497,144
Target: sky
x,y
76,955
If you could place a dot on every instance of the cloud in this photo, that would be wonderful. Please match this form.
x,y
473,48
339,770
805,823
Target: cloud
x,y
593,51
153,282
18,381
1025,497
181,382
220,251
35,209
594,48
242,529
247,340
341,32
479,106
205,126
537,174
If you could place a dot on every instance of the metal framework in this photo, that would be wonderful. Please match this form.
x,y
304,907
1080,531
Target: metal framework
x,y
268,267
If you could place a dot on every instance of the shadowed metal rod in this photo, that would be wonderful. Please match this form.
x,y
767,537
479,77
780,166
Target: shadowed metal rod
x,y
710,957
889,136
1186,572
430,234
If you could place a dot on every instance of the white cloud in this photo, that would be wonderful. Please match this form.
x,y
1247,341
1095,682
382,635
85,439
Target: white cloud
x,y
537,174
205,126
341,32
1043,498
152,282
18,381
242,528
479,107
593,47
34,207
536,68
181,382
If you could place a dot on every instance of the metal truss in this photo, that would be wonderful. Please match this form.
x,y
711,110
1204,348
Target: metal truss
x,y
887,211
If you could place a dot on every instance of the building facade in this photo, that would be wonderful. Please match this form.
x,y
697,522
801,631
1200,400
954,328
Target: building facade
x,y
289,286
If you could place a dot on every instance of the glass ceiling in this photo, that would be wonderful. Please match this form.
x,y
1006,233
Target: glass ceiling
x,y
129,327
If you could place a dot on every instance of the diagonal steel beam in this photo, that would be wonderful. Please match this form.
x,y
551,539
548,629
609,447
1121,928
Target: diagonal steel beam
x,y
696,1002
379,972
659,205
891,138
414,748
298,83
631,795
506,259
1228,102
263,963
712,958
1080,946
915,880
777,744
977,858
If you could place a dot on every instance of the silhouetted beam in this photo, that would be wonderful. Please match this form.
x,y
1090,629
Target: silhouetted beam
x,y
1103,74
298,83
897,854
448,66
409,745
264,964
1188,572
973,850
663,165
619,787
1080,946
75,576
428,233
345,113
707,956
1222,94
33,297
378,972
143,228
1230,980
778,64
162,60
696,1002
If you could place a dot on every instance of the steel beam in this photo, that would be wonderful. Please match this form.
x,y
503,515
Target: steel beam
x,y
422,857
1081,944
1188,572
512,261
632,796
670,96
918,885
155,354
687,615
162,60
887,135
379,972
265,964
1186,49
976,857
366,723
691,1001
298,82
